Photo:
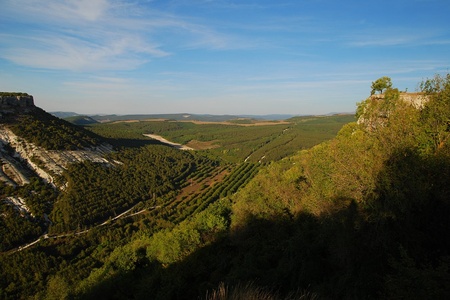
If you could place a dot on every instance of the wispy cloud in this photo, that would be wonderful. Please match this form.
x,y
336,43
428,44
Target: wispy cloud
x,y
215,54
58,51
383,41
91,35
386,37
100,83
54,11
120,87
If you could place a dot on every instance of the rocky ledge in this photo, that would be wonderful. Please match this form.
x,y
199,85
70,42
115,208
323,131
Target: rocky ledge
x,y
23,158
12,101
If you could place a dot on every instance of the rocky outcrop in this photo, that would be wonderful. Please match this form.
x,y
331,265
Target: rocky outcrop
x,y
19,204
11,104
20,159
417,100
16,101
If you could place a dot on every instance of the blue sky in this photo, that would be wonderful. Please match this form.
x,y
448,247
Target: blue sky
x,y
217,56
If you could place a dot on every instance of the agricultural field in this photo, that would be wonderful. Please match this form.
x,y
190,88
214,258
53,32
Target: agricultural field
x,y
232,141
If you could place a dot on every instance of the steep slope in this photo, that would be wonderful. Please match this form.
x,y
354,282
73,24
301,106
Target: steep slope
x,y
19,156
81,120
363,216
35,142
35,149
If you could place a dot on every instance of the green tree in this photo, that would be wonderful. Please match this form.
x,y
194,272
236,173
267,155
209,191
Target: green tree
x,y
435,115
381,84
57,288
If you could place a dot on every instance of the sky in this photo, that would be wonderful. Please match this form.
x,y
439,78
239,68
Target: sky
x,y
217,56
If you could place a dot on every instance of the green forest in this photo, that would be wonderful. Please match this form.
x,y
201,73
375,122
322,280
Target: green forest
x,y
49,132
232,142
341,207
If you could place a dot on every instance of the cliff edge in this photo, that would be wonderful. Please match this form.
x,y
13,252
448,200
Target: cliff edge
x,y
14,102
33,142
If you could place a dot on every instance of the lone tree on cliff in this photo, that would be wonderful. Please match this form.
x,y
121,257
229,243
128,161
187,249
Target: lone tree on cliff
x,y
381,84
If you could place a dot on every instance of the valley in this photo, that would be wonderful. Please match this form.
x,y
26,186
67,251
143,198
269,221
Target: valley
x,y
311,207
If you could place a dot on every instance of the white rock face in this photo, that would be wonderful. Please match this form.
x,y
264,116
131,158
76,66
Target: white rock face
x,y
45,163
417,100
19,204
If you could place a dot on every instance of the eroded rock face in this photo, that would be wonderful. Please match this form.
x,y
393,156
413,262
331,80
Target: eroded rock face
x,y
13,104
417,100
19,159
16,101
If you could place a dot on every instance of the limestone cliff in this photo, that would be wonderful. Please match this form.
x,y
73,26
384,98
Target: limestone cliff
x,y
11,103
417,100
20,159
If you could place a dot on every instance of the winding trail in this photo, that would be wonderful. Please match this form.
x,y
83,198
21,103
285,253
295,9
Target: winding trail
x,y
46,236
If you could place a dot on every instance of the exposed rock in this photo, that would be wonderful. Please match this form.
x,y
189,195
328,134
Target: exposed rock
x,y
12,171
19,204
16,101
417,100
10,104
21,159
45,163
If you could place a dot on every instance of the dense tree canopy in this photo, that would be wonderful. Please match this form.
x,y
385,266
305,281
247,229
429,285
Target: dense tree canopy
x,y
51,133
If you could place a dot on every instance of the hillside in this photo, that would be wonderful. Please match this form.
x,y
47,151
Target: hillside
x,y
35,142
362,214
81,120
36,149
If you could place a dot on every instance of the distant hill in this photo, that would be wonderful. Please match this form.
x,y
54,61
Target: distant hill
x,y
81,120
273,117
64,114
71,117
174,117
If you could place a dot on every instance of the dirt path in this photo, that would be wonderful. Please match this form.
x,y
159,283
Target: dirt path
x,y
163,140
46,236
185,192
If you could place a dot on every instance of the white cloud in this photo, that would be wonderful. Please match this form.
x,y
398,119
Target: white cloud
x,y
91,9
63,10
89,35
101,83
63,52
